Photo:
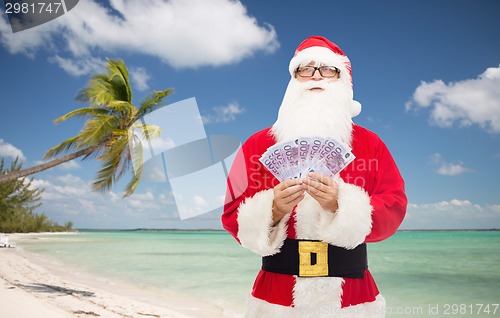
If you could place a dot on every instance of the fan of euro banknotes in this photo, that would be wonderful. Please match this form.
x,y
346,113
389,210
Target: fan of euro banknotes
x,y
295,159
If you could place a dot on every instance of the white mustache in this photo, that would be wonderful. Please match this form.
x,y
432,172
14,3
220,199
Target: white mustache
x,y
315,84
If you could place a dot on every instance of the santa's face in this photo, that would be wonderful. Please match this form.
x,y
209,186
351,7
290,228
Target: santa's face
x,y
315,106
316,76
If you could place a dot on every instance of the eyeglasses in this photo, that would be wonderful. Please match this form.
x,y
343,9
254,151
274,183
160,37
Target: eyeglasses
x,y
324,71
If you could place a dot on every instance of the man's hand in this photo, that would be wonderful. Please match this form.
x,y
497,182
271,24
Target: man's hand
x,y
287,194
324,189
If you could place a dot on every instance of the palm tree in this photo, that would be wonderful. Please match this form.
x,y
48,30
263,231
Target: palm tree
x,y
108,134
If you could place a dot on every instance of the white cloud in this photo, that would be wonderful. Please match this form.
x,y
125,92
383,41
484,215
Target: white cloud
x,y
451,169
467,102
65,166
79,67
154,173
453,214
445,168
71,180
140,77
9,151
223,114
199,200
27,41
144,201
68,197
182,33
193,205
70,165
159,144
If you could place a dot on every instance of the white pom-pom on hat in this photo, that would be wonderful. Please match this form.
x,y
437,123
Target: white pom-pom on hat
x,y
355,108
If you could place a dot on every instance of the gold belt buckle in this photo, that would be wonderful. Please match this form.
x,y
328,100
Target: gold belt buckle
x,y
306,266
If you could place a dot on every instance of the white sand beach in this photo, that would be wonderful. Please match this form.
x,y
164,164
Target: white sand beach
x,y
31,287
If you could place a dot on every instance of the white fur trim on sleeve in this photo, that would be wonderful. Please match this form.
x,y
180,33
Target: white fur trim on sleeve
x,y
352,222
255,230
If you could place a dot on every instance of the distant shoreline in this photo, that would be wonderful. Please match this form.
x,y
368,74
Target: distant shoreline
x,y
452,230
220,230
76,231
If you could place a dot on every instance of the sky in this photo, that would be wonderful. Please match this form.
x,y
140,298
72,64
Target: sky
x,y
427,73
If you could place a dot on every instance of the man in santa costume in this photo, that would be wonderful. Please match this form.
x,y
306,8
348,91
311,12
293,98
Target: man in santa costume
x,y
312,231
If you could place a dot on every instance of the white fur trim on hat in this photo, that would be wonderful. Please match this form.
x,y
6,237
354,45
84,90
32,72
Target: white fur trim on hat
x,y
320,55
255,230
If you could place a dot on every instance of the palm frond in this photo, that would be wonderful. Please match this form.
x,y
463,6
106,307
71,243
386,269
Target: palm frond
x,y
133,183
98,129
136,152
150,131
107,87
118,75
119,106
135,157
106,175
82,112
117,161
65,146
115,146
98,92
153,102
113,130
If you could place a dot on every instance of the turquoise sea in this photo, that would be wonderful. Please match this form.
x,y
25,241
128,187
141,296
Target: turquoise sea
x,y
420,273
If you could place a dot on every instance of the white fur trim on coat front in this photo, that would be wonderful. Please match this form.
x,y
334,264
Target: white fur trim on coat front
x,y
315,292
255,230
257,308
347,227
352,222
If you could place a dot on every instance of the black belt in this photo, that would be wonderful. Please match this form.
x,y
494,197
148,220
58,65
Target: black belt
x,y
307,258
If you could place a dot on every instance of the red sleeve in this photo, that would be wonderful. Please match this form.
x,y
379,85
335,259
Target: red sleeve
x,y
237,190
246,177
387,196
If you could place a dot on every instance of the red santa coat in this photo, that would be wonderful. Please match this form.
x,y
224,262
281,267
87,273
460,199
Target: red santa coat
x,y
372,205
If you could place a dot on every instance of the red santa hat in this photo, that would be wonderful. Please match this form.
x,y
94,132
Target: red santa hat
x,y
322,51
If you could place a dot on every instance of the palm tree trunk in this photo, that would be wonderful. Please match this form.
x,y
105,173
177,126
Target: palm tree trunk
x,y
47,165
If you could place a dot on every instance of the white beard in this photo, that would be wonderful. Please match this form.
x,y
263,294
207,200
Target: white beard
x,y
305,113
